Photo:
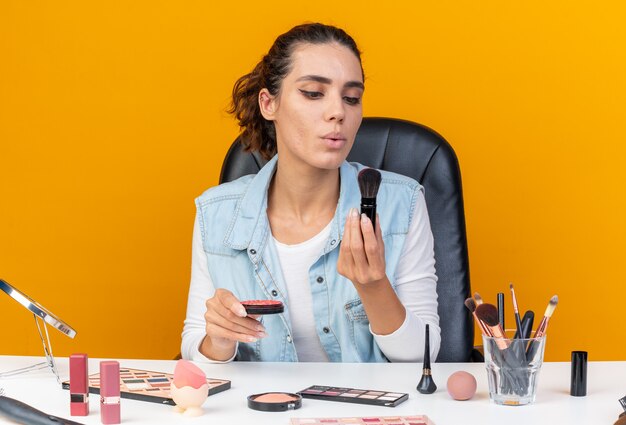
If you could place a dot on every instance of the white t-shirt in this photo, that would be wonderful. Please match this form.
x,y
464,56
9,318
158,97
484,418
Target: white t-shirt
x,y
295,262
415,283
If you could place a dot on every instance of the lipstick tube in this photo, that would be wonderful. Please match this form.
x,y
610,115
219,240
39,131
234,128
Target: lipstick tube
x,y
79,386
110,392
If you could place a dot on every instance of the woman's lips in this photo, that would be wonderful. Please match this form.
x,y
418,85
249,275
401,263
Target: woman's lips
x,y
334,143
334,140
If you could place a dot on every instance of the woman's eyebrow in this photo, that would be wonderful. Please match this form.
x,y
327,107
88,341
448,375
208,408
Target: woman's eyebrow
x,y
325,80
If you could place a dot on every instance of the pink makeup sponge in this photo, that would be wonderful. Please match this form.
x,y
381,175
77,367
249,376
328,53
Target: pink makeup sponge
x,y
187,374
461,385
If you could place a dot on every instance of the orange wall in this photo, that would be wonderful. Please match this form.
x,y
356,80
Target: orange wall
x,y
112,120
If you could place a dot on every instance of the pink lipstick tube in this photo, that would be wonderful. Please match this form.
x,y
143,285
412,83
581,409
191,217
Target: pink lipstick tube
x,y
110,392
79,386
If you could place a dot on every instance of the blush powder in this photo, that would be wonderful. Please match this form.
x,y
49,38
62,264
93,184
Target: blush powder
x,y
274,402
263,306
274,398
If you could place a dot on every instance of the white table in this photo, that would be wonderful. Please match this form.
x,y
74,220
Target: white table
x,y
554,405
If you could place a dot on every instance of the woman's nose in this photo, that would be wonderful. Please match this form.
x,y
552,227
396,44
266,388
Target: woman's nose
x,y
335,109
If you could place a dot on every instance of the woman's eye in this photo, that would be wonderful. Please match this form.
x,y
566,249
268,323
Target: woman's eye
x,y
311,94
352,100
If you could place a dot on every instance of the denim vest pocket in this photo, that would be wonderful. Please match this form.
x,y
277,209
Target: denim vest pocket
x,y
363,341
359,326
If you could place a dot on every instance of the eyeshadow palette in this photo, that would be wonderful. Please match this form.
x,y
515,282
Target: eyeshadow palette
x,y
373,420
149,386
352,395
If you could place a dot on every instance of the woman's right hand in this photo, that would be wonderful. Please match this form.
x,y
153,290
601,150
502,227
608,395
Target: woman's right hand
x,y
226,323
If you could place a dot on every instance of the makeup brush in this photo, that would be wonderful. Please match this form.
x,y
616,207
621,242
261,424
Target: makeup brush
x,y
471,306
518,321
542,328
527,325
501,309
488,313
543,325
478,298
369,182
426,384
622,417
23,413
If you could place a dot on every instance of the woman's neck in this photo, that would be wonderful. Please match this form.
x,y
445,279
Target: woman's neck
x,y
301,201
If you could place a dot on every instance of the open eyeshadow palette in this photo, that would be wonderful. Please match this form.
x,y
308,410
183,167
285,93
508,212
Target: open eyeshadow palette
x,y
372,420
352,395
149,386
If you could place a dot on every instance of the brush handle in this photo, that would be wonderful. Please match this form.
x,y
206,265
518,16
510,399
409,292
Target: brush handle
x,y
518,324
24,414
541,331
527,325
501,309
543,326
621,420
427,348
368,207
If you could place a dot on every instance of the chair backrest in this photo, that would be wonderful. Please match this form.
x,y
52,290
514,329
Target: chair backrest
x,y
416,151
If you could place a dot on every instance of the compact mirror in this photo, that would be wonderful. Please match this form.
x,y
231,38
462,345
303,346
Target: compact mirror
x,y
37,309
43,314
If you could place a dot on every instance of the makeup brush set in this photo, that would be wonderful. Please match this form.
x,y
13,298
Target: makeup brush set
x,y
513,363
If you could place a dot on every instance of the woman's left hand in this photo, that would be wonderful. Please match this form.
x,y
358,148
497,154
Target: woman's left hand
x,y
362,252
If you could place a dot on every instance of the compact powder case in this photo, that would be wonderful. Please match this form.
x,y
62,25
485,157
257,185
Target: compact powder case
x,y
263,306
274,402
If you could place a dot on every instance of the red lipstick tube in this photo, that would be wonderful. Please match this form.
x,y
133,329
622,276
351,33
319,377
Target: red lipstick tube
x,y
79,387
110,392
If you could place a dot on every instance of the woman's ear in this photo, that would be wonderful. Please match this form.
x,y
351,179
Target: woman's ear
x,y
267,104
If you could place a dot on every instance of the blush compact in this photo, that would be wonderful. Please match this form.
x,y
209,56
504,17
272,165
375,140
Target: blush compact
x,y
263,306
274,402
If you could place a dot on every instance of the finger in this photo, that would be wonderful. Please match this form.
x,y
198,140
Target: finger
x,y
218,313
377,260
367,230
247,326
228,300
379,233
345,242
356,247
215,331
345,263
370,242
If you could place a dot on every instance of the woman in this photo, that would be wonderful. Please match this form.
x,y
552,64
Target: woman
x,y
293,233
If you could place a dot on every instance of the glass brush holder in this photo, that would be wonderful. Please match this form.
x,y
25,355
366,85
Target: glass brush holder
x,y
513,367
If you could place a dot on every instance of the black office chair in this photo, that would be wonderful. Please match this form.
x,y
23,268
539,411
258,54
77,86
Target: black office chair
x,y
418,152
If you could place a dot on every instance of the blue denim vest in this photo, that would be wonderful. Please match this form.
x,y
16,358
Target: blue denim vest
x,y
241,258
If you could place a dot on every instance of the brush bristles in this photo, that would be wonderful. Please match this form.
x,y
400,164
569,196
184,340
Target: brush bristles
x,y
551,306
470,304
369,182
488,313
478,298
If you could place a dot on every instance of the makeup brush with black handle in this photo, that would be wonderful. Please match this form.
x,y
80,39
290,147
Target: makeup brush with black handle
x,y
542,328
22,413
369,182
527,325
426,384
501,309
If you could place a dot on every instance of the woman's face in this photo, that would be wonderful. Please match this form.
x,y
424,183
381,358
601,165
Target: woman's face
x,y
318,110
